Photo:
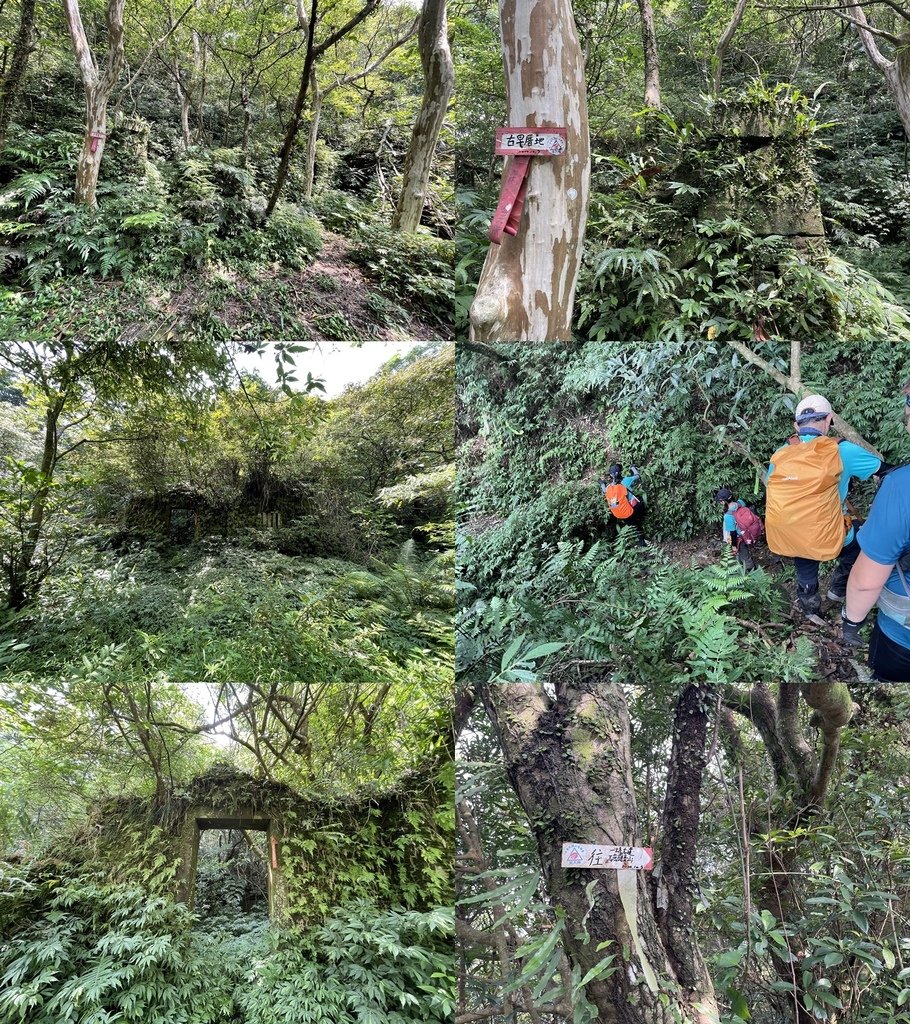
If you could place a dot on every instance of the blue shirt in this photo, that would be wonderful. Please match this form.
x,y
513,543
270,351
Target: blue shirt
x,y
857,462
885,536
627,482
729,520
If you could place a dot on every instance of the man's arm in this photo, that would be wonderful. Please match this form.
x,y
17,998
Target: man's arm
x,y
864,585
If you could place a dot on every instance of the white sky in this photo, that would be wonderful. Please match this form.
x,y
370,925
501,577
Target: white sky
x,y
338,363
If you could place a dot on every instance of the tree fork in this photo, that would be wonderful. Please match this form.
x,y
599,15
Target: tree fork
x,y
568,759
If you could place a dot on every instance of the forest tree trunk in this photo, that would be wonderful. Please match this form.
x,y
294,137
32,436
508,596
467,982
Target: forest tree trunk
x,y
649,47
527,287
723,43
313,53
804,778
98,87
439,84
896,72
312,139
674,881
22,580
25,42
569,761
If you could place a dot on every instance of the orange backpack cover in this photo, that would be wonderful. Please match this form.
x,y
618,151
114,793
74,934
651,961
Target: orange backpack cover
x,y
803,514
617,497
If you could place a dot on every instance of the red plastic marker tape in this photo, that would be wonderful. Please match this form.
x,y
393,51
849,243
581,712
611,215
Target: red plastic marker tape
x,y
511,199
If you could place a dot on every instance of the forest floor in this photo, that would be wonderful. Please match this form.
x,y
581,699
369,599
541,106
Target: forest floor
x,y
330,300
836,661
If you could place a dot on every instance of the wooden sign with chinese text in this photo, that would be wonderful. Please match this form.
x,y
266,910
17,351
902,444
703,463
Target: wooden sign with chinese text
x,y
530,141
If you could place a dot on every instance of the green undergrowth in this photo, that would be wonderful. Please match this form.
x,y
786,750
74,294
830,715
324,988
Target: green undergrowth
x,y
83,951
213,613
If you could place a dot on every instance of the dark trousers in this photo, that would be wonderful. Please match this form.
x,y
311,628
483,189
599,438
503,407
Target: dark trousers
x,y
889,661
807,568
635,521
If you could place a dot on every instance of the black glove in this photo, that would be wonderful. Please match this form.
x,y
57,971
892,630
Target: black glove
x,y
850,628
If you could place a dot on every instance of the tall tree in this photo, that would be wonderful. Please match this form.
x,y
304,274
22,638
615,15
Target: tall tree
x,y
98,85
723,43
320,94
11,83
439,84
307,22
649,48
568,757
896,70
526,290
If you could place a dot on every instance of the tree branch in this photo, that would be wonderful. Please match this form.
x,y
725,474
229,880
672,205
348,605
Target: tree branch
x,y
796,387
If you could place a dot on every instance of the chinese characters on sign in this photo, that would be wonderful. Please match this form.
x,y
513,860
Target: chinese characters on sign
x,y
530,141
520,144
587,855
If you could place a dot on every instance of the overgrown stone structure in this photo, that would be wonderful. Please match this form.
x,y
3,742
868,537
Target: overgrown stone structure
x,y
775,192
393,847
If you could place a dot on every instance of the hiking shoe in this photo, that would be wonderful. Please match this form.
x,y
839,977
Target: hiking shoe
x,y
810,601
837,585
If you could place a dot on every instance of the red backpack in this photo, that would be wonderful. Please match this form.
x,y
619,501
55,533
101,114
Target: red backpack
x,y
748,525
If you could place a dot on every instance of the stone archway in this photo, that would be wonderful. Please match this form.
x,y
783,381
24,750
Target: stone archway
x,y
201,818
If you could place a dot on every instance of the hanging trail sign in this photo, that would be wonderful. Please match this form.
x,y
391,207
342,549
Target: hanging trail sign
x,y
587,855
520,144
530,141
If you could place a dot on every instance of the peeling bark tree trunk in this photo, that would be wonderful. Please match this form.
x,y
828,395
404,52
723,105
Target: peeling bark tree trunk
x,y
896,72
569,761
98,86
25,42
527,288
439,84
649,47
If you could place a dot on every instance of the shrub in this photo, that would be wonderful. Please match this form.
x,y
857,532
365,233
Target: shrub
x,y
342,212
413,267
292,237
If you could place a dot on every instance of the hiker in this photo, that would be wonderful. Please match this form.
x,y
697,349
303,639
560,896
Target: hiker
x,y
881,575
807,486
625,507
741,526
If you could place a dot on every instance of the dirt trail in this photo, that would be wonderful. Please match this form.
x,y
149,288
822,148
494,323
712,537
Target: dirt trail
x,y
330,300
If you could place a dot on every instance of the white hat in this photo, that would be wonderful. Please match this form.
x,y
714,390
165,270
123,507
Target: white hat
x,y
813,403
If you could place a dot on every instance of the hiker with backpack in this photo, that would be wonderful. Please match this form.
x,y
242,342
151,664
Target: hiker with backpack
x,y
741,526
807,486
625,507
881,576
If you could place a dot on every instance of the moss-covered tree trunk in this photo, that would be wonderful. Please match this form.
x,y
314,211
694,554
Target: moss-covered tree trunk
x,y
568,758
806,775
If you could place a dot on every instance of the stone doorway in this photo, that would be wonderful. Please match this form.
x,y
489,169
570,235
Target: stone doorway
x,y
263,836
